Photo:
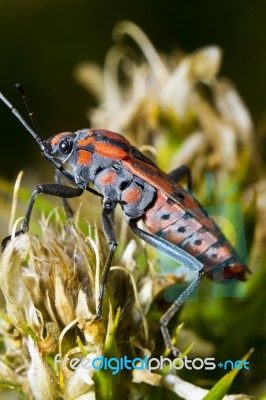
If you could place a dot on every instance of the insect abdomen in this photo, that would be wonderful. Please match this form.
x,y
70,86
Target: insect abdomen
x,y
177,225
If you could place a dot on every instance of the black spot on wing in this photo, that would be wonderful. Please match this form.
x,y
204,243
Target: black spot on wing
x,y
210,252
187,216
170,201
198,242
165,216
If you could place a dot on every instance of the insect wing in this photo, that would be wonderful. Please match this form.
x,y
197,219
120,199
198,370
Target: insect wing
x,y
145,169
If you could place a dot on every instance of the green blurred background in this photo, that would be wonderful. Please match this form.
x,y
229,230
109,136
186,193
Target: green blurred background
x,y
42,41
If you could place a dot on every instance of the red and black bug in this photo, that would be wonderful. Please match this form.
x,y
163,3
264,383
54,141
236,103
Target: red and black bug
x,y
121,174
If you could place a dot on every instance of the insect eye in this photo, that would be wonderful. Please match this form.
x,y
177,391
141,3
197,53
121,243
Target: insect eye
x,y
65,146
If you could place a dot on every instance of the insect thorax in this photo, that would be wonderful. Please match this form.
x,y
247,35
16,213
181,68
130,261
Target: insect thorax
x,y
134,194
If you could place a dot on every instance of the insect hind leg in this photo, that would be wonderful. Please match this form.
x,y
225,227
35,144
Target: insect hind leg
x,y
182,172
165,319
180,256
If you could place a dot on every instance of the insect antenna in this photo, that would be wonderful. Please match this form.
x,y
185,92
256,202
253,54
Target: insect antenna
x,y
38,138
29,109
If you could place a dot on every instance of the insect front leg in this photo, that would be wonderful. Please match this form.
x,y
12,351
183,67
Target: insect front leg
x,y
180,256
110,235
53,189
67,207
182,172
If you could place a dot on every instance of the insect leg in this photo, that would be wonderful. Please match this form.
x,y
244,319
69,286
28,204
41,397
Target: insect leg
x,y
174,308
178,255
110,235
52,189
182,172
68,209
